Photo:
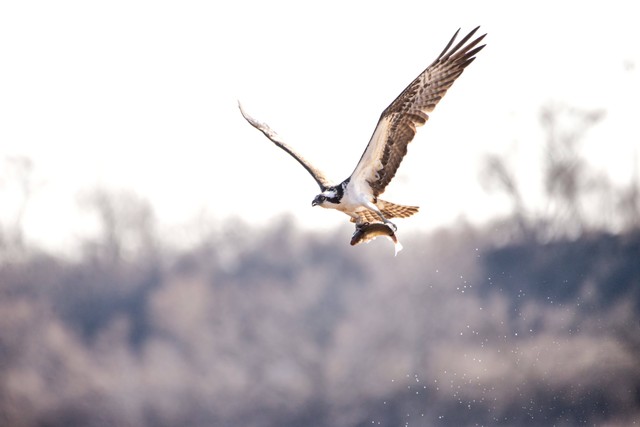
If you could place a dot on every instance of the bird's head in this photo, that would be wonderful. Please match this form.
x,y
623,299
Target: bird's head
x,y
327,196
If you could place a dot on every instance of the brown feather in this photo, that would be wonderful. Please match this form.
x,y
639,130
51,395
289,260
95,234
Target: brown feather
x,y
317,175
388,209
409,110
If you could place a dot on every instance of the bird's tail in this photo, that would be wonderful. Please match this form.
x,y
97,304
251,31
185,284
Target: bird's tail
x,y
389,210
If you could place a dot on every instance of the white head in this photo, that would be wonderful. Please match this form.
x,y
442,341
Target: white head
x,y
330,195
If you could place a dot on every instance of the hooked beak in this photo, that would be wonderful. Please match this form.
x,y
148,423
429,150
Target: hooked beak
x,y
316,201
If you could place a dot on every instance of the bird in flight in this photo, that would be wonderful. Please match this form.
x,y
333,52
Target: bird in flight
x,y
358,195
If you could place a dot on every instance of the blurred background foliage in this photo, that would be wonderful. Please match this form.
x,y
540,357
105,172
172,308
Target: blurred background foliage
x,y
531,319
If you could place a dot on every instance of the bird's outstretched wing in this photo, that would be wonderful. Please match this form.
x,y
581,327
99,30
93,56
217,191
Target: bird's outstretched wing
x,y
322,181
397,125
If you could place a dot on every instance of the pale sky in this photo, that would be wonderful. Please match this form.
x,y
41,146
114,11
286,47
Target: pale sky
x,y
142,96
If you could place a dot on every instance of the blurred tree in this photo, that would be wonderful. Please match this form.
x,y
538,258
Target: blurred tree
x,y
127,225
629,201
568,177
302,329
578,198
498,176
18,183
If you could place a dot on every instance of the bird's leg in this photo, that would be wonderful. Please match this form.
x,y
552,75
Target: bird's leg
x,y
389,223
375,208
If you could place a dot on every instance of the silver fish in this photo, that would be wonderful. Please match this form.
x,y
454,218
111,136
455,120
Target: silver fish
x,y
368,231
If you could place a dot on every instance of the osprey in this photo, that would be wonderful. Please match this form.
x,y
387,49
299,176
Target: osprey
x,y
358,195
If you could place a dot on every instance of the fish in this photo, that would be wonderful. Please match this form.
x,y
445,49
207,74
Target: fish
x,y
368,231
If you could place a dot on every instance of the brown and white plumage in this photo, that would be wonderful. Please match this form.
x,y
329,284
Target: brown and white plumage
x,y
357,196
398,122
322,181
